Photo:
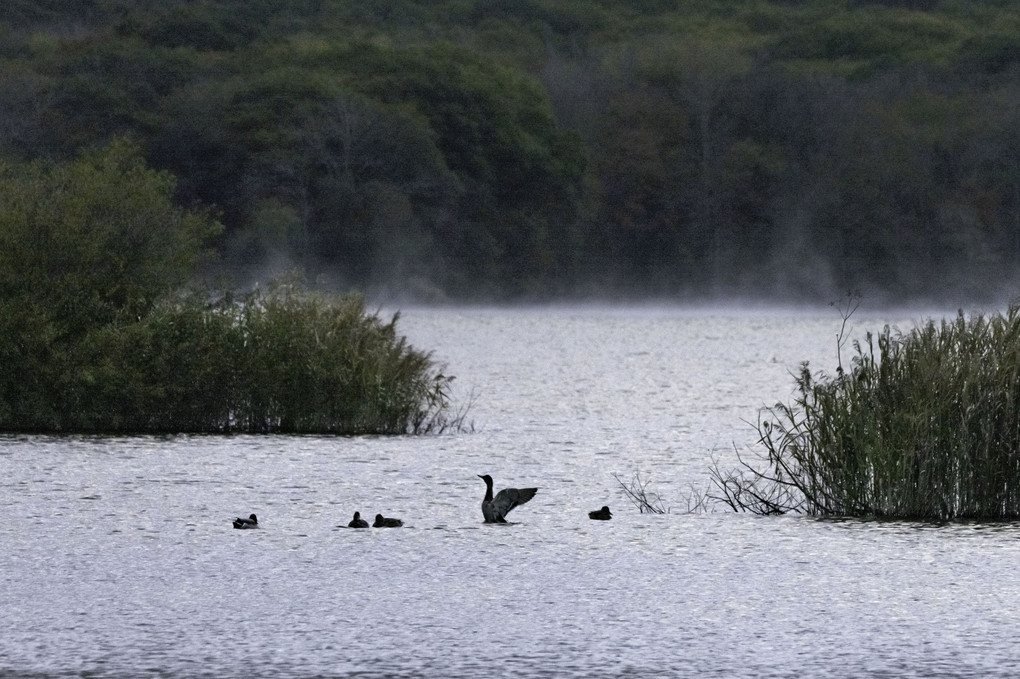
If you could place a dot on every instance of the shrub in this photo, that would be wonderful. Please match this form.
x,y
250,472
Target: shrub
x,y
84,244
926,428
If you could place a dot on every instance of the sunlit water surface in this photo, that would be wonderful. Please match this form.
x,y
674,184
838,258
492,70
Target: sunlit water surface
x,y
118,557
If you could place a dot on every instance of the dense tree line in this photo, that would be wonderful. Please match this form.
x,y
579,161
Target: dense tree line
x,y
526,148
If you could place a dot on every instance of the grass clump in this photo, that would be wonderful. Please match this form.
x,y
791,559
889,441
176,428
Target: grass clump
x,y
925,425
283,361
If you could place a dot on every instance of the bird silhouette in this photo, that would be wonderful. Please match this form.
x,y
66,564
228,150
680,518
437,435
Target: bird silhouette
x,y
251,522
357,521
382,522
600,514
495,509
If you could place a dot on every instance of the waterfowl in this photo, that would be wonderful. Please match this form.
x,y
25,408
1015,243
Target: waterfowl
x,y
251,522
357,521
495,509
600,514
382,522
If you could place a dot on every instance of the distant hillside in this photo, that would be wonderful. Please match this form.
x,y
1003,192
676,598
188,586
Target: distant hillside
x,y
523,149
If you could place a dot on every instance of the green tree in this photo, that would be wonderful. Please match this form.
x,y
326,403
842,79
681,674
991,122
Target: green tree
x,y
83,244
95,239
521,173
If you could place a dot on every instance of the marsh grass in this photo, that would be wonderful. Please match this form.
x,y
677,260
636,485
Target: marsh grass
x,y
285,360
925,425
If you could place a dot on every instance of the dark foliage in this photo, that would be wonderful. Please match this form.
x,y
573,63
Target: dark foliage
x,y
529,148
923,426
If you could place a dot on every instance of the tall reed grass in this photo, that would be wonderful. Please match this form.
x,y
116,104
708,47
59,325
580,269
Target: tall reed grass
x,y
286,360
925,425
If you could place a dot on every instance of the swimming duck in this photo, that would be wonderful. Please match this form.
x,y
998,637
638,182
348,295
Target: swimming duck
x,y
251,522
382,522
600,514
495,509
357,521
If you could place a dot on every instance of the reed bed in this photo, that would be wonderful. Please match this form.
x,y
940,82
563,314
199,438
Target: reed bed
x,y
282,361
925,425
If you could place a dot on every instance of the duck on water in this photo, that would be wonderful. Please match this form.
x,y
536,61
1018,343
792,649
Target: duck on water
x,y
495,509
251,522
382,522
357,521
600,514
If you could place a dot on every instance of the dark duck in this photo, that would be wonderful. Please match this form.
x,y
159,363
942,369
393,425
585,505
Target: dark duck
x,y
600,514
382,522
251,522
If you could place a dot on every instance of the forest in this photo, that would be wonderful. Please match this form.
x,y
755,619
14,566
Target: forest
x,y
525,150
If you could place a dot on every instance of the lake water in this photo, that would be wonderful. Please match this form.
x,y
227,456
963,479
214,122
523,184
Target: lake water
x,y
119,560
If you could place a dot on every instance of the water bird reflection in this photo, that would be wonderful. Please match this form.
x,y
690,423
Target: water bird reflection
x,y
251,522
495,509
600,514
383,522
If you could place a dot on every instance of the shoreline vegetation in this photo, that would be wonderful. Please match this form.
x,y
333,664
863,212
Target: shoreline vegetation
x,y
100,332
286,361
925,425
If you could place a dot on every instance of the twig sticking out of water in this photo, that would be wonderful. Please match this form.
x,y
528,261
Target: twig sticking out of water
x,y
638,493
747,489
846,308
697,500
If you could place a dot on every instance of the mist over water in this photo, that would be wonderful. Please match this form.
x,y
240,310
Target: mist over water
x,y
120,559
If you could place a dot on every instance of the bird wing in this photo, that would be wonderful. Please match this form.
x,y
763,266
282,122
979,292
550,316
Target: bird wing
x,y
508,498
